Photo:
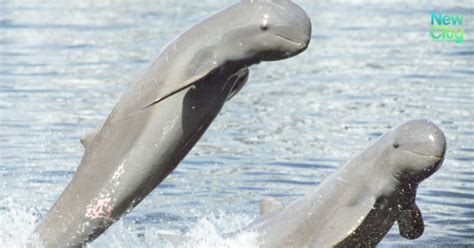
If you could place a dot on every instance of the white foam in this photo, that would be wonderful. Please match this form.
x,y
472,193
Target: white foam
x,y
17,222
207,231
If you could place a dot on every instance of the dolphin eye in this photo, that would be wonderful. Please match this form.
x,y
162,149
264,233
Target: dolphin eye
x,y
396,145
264,25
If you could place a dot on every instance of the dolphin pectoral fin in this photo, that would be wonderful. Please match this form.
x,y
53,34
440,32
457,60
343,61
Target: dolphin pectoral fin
x,y
183,79
238,80
342,223
270,205
170,92
242,77
410,222
88,138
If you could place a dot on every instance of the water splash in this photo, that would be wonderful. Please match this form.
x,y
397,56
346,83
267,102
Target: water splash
x,y
207,231
17,222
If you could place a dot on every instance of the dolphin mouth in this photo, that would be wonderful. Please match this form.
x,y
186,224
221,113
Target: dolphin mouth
x,y
296,43
426,155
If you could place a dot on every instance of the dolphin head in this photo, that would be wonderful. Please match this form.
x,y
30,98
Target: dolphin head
x,y
416,150
270,29
282,29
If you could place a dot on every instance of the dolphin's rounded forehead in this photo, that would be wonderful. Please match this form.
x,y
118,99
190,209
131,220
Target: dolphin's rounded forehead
x,y
417,124
281,12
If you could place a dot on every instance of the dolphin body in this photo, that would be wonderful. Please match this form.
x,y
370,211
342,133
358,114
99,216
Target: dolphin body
x,y
163,114
357,205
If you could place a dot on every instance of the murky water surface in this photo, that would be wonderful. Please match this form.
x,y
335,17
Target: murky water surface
x,y
369,67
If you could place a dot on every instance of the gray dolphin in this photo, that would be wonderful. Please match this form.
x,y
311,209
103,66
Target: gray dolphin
x,y
165,112
357,205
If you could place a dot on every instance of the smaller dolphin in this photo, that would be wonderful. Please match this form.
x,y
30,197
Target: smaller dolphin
x,y
357,205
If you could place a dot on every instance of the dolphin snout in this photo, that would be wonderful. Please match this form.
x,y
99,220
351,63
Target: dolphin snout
x,y
297,24
436,140
303,25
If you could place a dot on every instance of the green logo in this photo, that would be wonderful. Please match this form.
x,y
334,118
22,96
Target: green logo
x,y
446,28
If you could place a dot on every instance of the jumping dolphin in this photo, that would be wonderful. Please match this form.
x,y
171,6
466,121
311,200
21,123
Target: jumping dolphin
x,y
358,204
163,114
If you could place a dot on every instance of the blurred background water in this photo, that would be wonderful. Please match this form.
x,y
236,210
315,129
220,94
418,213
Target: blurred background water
x,y
370,66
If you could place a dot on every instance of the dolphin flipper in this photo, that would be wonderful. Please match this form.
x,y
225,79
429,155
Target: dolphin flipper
x,y
410,222
270,205
153,88
242,77
341,223
167,89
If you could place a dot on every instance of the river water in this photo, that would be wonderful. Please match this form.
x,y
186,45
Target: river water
x,y
369,67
